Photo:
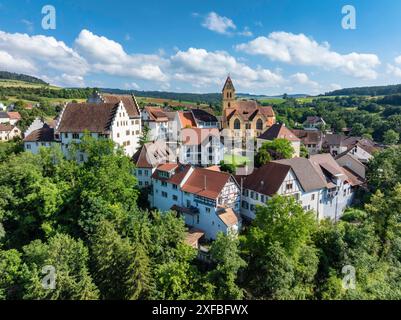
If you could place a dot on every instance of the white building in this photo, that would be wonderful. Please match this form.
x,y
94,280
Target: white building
x,y
9,132
280,131
100,120
131,109
201,146
208,200
313,123
319,184
157,121
42,137
9,117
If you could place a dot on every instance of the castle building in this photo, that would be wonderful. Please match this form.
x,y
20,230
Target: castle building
x,y
241,115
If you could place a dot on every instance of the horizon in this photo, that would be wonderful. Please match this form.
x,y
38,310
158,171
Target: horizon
x,y
269,48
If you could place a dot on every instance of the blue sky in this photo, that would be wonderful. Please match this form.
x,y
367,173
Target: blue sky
x,y
268,47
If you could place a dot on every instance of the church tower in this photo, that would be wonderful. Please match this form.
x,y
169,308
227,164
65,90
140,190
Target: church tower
x,y
228,94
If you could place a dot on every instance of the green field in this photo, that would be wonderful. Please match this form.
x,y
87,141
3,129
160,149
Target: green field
x,y
235,159
23,84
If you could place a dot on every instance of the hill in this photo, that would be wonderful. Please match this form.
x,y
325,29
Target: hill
x,y
5,75
367,91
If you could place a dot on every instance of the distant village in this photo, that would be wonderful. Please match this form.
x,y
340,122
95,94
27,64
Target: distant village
x,y
178,167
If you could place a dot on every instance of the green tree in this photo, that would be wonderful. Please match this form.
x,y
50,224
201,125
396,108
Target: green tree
x,y
145,137
225,254
391,137
70,258
274,150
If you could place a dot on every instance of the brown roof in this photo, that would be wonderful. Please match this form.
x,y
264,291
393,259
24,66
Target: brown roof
x,y
278,130
353,178
156,114
14,115
228,216
308,136
187,119
94,117
46,133
267,179
196,136
206,183
6,127
150,154
179,172
128,101
325,162
192,237
204,116
248,110
228,84
306,173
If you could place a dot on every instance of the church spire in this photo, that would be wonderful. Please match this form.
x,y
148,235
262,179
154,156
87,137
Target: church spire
x,y
228,94
228,85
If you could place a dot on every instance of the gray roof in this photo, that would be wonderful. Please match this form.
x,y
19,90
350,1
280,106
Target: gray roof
x,y
306,173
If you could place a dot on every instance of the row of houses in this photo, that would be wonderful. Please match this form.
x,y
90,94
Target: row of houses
x,y
178,166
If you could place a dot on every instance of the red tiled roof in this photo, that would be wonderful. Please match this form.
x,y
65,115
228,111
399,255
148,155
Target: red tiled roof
x,y
150,154
13,115
206,183
187,120
192,237
180,171
6,127
156,114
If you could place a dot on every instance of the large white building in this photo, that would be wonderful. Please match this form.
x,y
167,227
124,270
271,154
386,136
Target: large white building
x,y
208,200
100,120
319,184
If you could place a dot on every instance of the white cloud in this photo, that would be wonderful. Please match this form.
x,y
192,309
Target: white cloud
x,y
335,86
218,24
42,52
246,32
299,49
393,70
203,68
132,85
12,64
397,60
303,79
108,56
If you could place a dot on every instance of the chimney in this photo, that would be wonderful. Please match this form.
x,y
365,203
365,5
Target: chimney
x,y
205,183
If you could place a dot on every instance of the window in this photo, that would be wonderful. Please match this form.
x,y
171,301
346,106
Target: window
x,y
208,210
127,132
252,194
313,197
248,126
288,186
252,207
175,187
175,198
164,194
139,172
262,198
137,132
259,124
146,183
188,203
81,157
66,135
237,124
245,205
118,135
256,196
197,218
164,183
28,146
140,183
136,121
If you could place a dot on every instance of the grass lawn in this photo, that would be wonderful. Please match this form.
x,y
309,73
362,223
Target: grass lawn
x,y
235,159
23,84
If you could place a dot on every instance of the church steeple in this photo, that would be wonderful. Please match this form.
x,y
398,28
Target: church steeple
x,y
228,93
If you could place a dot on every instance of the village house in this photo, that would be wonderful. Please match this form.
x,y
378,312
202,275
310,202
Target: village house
x,y
242,115
208,200
312,140
280,131
9,132
295,177
157,121
41,137
11,117
131,109
147,159
100,120
319,184
352,163
314,123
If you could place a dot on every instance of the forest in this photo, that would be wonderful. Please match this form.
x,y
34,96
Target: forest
x,y
83,220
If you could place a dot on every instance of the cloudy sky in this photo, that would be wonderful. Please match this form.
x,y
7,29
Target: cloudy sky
x,y
268,47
